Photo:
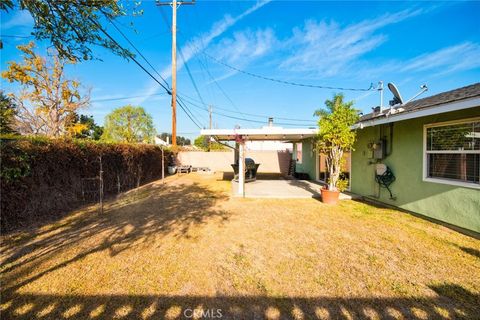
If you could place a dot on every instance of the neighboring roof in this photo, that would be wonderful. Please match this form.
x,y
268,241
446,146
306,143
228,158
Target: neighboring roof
x,y
458,99
263,134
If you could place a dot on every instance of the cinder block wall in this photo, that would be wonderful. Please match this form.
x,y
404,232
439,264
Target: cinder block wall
x,y
270,161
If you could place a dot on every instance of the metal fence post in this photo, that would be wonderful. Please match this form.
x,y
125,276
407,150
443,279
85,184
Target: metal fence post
x,y
101,185
163,167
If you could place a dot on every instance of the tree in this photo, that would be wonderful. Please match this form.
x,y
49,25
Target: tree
x,y
8,111
335,135
202,143
93,131
84,127
73,26
47,98
129,124
180,140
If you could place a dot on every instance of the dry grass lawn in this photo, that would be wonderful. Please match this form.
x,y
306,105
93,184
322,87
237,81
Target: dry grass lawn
x,y
186,248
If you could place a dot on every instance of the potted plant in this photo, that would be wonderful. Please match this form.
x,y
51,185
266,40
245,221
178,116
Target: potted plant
x,y
334,138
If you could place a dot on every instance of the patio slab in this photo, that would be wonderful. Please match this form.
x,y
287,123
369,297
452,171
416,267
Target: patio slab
x,y
284,189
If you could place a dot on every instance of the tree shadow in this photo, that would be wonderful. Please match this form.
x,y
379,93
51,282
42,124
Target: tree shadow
x,y
137,217
315,191
33,306
471,251
228,176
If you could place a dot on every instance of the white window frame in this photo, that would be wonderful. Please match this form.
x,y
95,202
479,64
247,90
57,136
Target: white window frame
x,y
452,182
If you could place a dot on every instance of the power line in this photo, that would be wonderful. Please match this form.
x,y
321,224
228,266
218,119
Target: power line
x,y
218,86
283,81
186,98
184,108
249,120
165,19
190,76
14,36
126,98
134,60
244,113
205,67
138,51
131,56
145,70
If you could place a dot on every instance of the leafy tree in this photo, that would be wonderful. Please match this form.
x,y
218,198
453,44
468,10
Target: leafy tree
x,y
84,127
8,111
129,124
47,98
180,140
335,136
93,131
202,143
73,26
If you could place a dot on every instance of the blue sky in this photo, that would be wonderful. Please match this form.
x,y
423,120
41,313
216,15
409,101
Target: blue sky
x,y
339,44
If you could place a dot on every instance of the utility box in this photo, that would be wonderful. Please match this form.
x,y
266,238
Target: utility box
x,y
379,150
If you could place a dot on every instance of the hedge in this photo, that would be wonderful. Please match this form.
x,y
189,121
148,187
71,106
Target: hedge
x,y
43,178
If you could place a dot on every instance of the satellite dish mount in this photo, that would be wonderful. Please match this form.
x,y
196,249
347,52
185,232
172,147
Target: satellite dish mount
x,y
397,97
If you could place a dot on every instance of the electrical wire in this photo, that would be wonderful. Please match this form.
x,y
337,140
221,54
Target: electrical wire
x,y
283,81
138,51
244,113
14,36
184,108
126,98
184,61
145,70
185,98
249,120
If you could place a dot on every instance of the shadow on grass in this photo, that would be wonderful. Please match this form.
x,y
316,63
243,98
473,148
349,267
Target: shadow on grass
x,y
471,251
32,306
140,216
228,176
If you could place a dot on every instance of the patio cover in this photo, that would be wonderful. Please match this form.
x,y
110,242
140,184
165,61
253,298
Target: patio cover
x,y
266,133
263,134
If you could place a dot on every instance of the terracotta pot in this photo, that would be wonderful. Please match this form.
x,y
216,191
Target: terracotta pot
x,y
329,196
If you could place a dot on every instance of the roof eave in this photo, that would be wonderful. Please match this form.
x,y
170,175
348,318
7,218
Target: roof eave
x,y
406,115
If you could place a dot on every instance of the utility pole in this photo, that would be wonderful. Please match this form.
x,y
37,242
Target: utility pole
x,y
380,88
210,115
210,124
174,4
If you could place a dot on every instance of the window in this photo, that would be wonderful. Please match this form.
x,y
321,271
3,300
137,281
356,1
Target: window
x,y
452,153
299,152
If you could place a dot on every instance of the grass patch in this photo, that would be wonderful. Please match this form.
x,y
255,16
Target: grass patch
x,y
164,249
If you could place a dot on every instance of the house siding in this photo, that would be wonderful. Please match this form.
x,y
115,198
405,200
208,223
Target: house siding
x,y
308,159
456,205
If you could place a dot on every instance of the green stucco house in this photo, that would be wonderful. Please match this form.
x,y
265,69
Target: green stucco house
x,y
431,147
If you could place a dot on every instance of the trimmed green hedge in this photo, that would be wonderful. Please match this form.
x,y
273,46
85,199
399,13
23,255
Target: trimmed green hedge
x,y
43,178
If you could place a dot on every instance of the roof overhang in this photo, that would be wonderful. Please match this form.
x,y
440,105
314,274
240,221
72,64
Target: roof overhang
x,y
406,115
263,134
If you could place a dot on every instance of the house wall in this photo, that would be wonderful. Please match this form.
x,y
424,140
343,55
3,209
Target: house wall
x,y
456,205
270,161
308,159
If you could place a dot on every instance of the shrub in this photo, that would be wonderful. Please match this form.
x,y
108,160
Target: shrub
x,y
41,178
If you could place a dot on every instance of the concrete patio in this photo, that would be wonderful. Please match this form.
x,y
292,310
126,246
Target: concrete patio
x,y
282,188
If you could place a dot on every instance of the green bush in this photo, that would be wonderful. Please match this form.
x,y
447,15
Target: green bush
x,y
43,178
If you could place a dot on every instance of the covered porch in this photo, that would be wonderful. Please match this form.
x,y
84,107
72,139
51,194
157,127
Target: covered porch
x,y
270,187
282,188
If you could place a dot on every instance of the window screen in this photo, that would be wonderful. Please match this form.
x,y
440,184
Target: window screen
x,y
453,152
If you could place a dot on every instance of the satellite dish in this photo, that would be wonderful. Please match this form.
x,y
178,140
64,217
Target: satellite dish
x,y
397,98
